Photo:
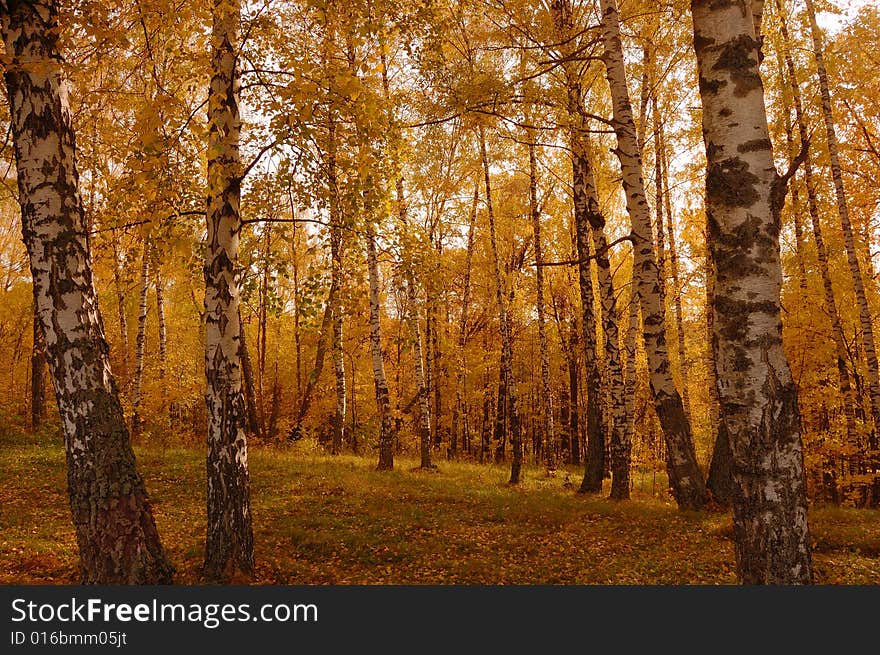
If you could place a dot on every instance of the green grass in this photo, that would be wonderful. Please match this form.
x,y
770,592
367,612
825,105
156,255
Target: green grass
x,y
335,520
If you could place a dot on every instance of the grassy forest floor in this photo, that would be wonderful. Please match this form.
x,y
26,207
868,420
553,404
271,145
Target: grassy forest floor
x,y
335,520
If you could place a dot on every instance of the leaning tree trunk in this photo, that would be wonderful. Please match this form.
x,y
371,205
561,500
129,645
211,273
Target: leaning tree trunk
x,y
744,199
229,543
548,428
843,212
115,531
38,375
504,325
846,391
685,477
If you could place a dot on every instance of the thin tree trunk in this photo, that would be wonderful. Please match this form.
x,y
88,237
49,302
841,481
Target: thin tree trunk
x,y
846,391
685,477
632,332
163,333
335,298
673,271
160,314
137,398
783,58
413,324
421,386
120,308
843,212
584,200
460,410
620,437
744,200
548,429
504,325
229,545
115,530
574,424
324,337
659,205
247,372
383,399
437,368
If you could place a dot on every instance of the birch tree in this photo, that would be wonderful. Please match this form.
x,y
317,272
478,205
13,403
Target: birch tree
x,y
849,240
685,477
115,530
744,199
229,546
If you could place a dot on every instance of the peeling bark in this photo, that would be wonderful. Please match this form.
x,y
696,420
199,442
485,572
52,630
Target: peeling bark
x,y
744,199
115,530
229,546
685,477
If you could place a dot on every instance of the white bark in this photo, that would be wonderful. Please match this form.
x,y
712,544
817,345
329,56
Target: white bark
x,y
685,477
744,198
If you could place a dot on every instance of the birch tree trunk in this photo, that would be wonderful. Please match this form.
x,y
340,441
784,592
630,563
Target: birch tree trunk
x,y
632,332
846,391
140,343
685,477
794,191
383,397
160,314
120,308
673,271
421,386
459,414
229,545
744,199
584,200
548,429
115,531
504,325
334,300
620,434
247,375
843,212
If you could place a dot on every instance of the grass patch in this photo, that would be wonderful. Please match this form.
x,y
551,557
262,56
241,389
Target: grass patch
x,y
336,520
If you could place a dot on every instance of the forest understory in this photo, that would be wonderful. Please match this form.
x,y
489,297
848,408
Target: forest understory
x,y
336,520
